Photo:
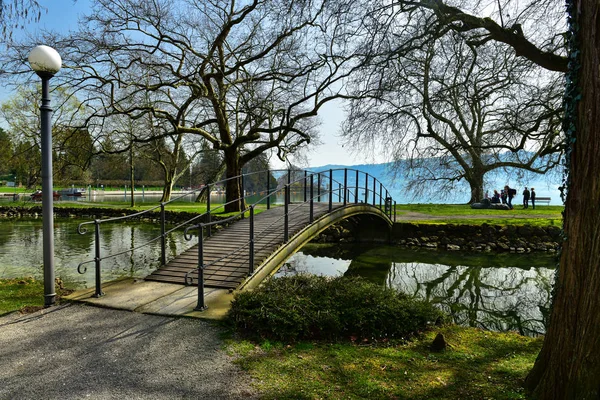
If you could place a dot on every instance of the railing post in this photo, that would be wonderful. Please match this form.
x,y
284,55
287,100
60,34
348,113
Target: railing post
x,y
345,186
200,306
208,217
305,175
286,219
98,292
243,200
289,182
394,212
311,198
339,192
387,195
380,193
366,188
330,190
163,237
251,247
356,193
374,190
319,187
268,190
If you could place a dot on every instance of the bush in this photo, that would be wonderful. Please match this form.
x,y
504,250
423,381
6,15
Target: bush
x,y
309,307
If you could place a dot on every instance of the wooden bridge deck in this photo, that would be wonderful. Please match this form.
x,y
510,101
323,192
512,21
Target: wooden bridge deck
x,y
226,253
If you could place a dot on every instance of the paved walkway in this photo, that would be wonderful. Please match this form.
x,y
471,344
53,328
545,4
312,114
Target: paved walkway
x,y
157,298
78,352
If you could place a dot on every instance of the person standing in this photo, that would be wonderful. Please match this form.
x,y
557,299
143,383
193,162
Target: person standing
x,y
526,198
533,198
503,196
510,194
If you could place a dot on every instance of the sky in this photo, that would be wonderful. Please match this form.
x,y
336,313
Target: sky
x,y
62,15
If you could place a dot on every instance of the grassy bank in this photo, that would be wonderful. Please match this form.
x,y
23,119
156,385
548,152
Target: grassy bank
x,y
23,294
464,214
478,365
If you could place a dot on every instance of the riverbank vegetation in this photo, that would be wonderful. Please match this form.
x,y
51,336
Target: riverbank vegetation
x,y
308,307
359,340
24,294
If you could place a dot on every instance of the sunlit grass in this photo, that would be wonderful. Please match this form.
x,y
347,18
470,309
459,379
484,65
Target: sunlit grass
x,y
478,365
22,294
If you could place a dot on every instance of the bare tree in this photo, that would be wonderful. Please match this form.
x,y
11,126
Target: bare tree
x,y
249,78
450,111
533,29
15,13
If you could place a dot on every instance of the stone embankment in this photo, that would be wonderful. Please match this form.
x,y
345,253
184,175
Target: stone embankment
x,y
508,238
98,213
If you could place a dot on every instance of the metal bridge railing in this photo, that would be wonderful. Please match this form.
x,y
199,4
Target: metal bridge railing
x,y
345,195
315,187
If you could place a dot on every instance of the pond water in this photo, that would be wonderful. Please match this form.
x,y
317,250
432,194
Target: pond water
x,y
501,292
21,250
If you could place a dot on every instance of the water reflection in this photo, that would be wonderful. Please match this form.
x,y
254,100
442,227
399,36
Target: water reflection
x,y
21,250
497,292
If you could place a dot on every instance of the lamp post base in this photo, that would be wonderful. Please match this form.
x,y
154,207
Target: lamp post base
x,y
49,299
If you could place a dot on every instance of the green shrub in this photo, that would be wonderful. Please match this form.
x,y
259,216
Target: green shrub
x,y
309,307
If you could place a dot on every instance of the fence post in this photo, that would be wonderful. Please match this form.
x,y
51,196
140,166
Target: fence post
x,y
330,190
242,199
208,216
318,187
374,191
163,237
286,219
311,198
268,190
366,188
98,292
356,193
251,247
200,306
345,186
305,175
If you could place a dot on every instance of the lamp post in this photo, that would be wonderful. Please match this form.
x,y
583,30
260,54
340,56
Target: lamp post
x,y
46,62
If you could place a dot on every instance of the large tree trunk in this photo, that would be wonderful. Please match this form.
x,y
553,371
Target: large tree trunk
x,y
233,187
476,183
168,186
568,367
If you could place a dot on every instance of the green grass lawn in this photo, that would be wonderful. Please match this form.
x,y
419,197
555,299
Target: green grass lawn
x,y
478,365
464,214
465,209
25,294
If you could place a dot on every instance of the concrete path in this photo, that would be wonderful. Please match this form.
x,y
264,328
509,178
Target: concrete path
x,y
157,298
81,352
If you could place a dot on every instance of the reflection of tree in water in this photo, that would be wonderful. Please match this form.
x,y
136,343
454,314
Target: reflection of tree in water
x,y
498,299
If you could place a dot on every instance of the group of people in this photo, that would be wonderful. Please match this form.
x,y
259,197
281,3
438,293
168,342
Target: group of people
x,y
507,194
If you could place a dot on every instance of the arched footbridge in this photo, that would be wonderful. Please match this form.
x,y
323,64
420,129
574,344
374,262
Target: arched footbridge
x,y
276,221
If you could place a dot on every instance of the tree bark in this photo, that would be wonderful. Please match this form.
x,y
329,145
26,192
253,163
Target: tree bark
x,y
568,366
233,189
475,180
